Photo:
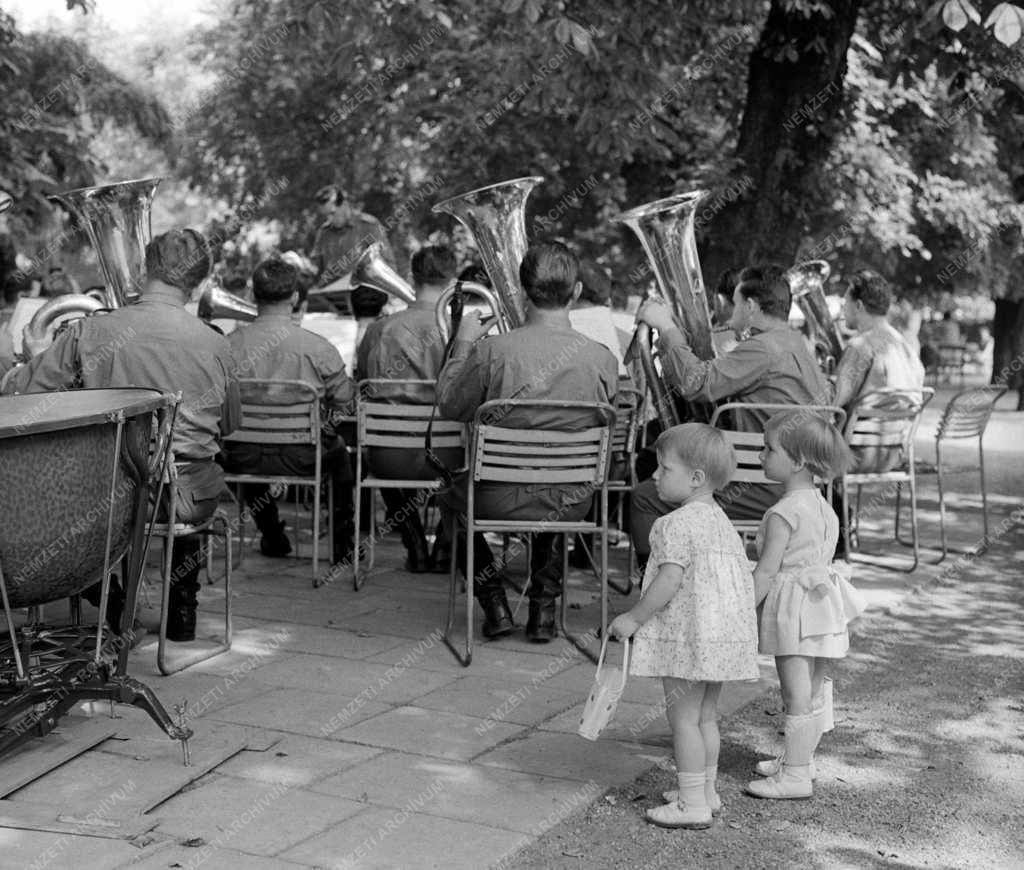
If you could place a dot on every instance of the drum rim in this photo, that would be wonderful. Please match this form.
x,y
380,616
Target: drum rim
x,y
136,401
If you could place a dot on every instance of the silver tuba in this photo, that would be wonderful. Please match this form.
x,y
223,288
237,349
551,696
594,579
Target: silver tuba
x,y
496,218
485,293
216,303
116,219
665,228
372,270
807,284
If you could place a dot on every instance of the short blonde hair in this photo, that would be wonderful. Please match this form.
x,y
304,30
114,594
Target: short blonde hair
x,y
809,438
701,447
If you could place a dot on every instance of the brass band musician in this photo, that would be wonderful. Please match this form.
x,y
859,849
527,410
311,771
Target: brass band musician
x,y
408,345
157,344
773,365
543,359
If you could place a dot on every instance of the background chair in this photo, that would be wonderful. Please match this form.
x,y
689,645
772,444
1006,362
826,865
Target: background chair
x,y
748,446
396,426
880,431
216,526
500,454
287,413
966,415
949,363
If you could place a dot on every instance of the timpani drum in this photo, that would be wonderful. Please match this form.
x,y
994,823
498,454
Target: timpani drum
x,y
73,467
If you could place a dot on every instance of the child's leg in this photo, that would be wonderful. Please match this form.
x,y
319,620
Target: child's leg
x,y
802,733
712,741
683,704
821,694
795,677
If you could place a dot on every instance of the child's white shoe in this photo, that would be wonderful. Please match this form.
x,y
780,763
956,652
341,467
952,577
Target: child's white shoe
x,y
714,803
677,815
790,783
771,766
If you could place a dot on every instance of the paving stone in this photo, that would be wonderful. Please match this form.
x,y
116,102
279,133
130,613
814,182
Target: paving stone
x,y
328,641
309,608
354,678
474,793
385,839
251,817
444,735
486,698
572,757
299,711
297,761
169,855
24,849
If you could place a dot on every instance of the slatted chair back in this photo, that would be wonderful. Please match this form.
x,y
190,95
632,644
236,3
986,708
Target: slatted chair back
x,y
966,415
278,411
541,456
884,421
405,427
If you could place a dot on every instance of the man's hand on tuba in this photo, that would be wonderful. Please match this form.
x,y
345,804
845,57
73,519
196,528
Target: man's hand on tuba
x,y
656,314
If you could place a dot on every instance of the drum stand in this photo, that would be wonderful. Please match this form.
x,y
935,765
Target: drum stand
x,y
44,672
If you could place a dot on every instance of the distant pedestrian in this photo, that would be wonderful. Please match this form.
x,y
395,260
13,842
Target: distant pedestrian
x,y
805,605
694,625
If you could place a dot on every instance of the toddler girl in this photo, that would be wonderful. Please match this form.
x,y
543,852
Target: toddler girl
x,y
805,605
694,625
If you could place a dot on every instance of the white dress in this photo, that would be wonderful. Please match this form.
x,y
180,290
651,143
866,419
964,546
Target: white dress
x,y
808,604
708,631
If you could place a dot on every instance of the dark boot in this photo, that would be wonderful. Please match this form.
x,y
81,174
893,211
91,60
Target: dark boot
x,y
344,540
115,602
545,587
274,542
441,554
497,613
579,557
401,512
183,598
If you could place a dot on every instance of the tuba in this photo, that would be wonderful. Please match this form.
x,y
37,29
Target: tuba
x,y
215,303
372,270
116,219
496,218
807,283
665,228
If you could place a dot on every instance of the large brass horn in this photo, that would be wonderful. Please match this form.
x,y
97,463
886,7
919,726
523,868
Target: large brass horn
x,y
216,303
807,284
116,217
496,218
665,228
474,289
372,270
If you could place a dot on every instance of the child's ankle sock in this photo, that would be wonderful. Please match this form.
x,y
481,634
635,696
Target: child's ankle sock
x,y
691,790
710,792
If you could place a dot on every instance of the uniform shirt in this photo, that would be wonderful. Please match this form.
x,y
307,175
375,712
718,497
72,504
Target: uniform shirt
x,y
404,345
154,344
877,359
338,245
772,366
531,362
272,347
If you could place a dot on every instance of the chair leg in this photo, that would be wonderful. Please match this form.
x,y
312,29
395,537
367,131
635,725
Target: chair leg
x,y
466,658
913,524
316,528
241,523
184,661
357,583
984,497
942,504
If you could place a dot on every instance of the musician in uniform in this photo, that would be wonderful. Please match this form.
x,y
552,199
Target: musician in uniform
x,y
543,359
341,239
273,347
408,345
157,344
773,365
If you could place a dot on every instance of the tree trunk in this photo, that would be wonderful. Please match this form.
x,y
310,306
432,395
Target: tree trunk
x,y
1008,347
794,99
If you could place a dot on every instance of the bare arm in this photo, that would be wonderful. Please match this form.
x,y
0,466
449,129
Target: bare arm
x,y
662,590
776,537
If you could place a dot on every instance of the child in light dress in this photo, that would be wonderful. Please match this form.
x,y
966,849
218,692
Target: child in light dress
x,y
694,625
805,605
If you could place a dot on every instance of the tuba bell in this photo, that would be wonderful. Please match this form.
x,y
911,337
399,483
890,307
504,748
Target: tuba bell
x,y
496,218
372,270
807,284
216,303
665,228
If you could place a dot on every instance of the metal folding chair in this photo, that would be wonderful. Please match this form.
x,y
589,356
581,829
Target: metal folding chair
x,y
966,415
500,454
216,526
397,426
748,446
287,413
884,422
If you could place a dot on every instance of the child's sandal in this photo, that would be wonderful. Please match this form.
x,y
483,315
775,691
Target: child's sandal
x,y
673,797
